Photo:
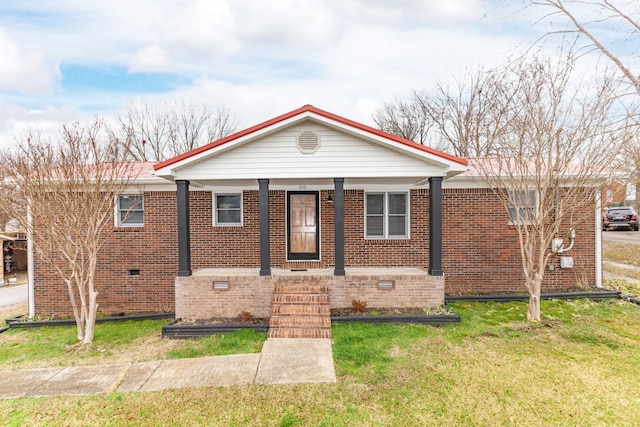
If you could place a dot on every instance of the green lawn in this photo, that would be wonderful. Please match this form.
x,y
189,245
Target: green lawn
x,y
131,341
628,279
579,366
623,253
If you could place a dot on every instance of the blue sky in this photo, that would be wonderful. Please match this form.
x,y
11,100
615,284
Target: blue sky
x,y
67,60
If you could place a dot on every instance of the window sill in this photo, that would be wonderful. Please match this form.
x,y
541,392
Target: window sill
x,y
387,239
127,229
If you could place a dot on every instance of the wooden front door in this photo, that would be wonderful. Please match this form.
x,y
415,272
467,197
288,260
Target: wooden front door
x,y
303,226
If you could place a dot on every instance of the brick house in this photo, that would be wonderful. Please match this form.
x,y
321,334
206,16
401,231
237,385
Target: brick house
x,y
614,194
310,199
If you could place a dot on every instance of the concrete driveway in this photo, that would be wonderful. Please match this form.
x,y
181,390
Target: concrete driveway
x,y
621,236
13,295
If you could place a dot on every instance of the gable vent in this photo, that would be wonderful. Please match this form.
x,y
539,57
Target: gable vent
x,y
308,142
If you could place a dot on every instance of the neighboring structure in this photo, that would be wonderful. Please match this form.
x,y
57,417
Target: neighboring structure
x,y
614,194
309,200
14,255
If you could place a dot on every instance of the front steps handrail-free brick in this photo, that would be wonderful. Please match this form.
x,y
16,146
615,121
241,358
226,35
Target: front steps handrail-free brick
x,y
300,309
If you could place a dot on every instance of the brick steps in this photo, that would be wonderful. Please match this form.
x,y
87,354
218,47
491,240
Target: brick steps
x,y
301,289
287,298
300,309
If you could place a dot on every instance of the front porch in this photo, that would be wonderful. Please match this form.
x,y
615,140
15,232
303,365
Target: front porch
x,y
226,292
319,203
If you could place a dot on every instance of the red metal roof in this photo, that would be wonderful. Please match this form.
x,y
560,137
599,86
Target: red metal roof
x,y
319,112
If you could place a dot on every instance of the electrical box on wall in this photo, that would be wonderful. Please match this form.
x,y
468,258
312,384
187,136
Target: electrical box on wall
x,y
566,262
556,245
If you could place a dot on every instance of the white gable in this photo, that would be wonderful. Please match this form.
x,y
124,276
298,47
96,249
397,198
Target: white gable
x,y
277,155
331,146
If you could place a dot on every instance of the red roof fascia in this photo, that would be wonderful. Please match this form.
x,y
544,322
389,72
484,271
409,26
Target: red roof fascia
x,y
296,112
386,135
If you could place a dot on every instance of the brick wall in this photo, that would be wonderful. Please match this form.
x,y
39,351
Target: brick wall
x,y
617,193
480,249
150,249
196,297
409,290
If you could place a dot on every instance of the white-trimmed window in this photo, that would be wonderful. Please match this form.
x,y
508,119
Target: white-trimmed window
x,y
227,208
387,215
522,206
130,210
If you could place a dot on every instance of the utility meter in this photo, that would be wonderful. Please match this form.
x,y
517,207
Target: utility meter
x,y
556,245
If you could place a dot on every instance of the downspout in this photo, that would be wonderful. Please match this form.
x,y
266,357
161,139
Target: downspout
x,y
30,262
598,231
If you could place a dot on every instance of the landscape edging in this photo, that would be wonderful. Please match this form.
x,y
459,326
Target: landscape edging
x,y
16,323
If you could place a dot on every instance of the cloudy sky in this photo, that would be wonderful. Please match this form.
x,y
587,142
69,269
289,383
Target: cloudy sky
x,y
67,60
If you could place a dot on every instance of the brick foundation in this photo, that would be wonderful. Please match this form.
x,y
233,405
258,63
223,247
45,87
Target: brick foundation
x,y
197,299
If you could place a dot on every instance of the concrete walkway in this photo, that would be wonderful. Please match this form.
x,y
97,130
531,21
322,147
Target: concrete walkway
x,y
282,361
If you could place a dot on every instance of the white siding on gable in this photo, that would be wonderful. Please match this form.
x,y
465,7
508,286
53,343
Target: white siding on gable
x,y
339,155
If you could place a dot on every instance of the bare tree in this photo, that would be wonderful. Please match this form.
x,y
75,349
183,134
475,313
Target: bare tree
x,y
628,162
611,28
626,22
557,141
156,133
406,119
144,131
467,115
221,124
461,118
69,188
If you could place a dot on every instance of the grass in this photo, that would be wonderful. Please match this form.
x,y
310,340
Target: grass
x,y
625,280
10,312
579,366
118,342
625,286
240,342
59,345
623,272
623,253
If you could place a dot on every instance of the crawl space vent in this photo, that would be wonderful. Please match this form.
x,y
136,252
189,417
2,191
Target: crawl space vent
x,y
308,142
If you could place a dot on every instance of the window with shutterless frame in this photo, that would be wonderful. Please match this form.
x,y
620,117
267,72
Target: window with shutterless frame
x,y
387,215
522,206
130,210
227,209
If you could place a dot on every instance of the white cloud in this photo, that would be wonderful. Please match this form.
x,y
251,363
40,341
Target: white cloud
x,y
18,122
288,23
203,29
149,59
409,13
24,71
258,58
457,11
